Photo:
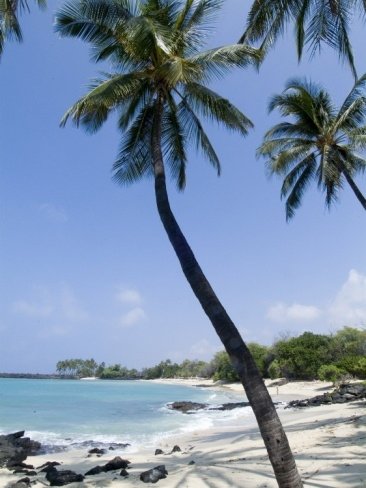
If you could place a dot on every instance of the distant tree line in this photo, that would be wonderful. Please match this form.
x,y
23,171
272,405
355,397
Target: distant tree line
x,y
306,357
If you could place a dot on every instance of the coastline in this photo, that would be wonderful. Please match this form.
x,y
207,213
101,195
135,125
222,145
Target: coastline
x,y
328,442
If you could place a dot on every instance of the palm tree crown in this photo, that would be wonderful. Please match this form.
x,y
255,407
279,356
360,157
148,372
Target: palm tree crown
x,y
321,142
9,23
154,49
315,23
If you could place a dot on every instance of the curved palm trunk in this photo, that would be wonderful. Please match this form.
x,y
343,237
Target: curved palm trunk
x,y
355,189
270,426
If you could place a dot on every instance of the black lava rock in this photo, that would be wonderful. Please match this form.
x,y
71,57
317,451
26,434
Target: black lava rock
x,y
154,475
61,478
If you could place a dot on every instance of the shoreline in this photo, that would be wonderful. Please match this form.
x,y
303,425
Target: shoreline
x,y
328,443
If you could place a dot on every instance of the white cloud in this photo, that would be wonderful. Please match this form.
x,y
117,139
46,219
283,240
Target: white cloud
x,y
349,305
280,312
33,310
129,296
133,317
53,212
347,308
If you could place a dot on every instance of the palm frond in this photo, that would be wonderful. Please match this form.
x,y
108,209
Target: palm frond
x,y
92,110
283,153
144,38
213,106
194,24
217,62
357,138
267,19
272,147
2,40
173,143
300,27
94,21
134,159
343,44
296,183
194,132
296,130
357,92
281,162
316,22
141,97
178,70
9,23
329,174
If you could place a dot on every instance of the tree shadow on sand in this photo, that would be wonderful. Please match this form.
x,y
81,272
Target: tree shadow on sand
x,y
322,465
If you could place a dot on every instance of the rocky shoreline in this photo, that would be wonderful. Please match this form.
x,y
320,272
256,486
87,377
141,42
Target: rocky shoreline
x,y
343,394
15,448
188,407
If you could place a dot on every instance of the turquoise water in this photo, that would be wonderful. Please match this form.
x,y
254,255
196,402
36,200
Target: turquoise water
x,y
68,413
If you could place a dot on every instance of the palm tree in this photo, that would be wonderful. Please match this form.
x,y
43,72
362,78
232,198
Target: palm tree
x,y
321,143
315,22
9,23
159,91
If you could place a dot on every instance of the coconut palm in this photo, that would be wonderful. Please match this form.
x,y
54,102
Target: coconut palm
x,y
159,92
321,142
315,22
9,23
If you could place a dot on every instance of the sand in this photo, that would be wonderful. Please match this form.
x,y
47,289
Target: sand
x,y
329,444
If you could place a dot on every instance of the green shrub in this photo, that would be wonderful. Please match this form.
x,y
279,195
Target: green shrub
x,y
222,367
330,372
274,370
360,370
348,341
260,355
354,365
301,357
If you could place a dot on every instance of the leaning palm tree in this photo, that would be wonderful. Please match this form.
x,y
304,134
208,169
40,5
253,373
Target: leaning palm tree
x,y
320,142
159,91
315,22
9,23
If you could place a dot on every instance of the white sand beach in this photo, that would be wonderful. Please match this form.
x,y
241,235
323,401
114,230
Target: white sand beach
x,y
329,443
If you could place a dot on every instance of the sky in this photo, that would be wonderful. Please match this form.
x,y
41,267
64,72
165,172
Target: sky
x,y
86,269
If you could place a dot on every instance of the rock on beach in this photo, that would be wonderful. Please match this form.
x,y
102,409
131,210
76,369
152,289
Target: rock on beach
x,y
14,449
345,393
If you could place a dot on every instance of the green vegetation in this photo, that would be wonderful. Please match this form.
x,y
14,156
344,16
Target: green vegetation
x,y
79,367
330,372
307,357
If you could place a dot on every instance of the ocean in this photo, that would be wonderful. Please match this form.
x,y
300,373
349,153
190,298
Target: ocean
x,y
74,413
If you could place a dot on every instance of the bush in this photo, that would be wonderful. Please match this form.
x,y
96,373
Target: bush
x,y
330,372
261,357
274,370
354,365
223,368
348,341
301,357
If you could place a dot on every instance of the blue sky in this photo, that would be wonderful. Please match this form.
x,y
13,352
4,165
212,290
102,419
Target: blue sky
x,y
86,268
